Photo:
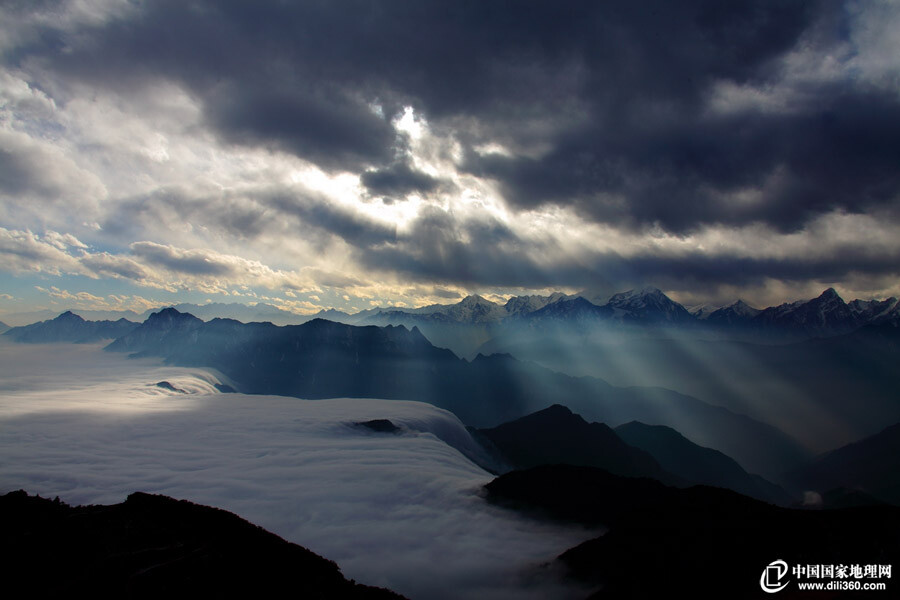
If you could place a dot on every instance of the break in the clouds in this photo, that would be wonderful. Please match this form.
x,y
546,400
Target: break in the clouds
x,y
394,150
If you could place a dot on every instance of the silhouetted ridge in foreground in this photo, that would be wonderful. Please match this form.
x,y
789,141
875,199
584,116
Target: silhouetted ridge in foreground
x,y
699,542
152,546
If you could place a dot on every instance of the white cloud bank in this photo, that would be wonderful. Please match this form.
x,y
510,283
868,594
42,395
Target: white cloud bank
x,y
403,511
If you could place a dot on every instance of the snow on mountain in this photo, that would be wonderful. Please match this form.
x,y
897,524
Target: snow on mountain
x,y
827,314
522,305
648,305
734,314
875,311
574,310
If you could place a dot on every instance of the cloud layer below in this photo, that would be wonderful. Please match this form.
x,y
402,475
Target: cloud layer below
x,y
403,511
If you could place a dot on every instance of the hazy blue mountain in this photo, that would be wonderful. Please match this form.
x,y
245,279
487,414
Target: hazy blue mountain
x,y
322,359
803,387
738,313
870,466
691,462
3,327
152,546
69,327
159,334
555,435
245,313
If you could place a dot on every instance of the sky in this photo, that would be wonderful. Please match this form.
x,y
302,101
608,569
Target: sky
x,y
405,511
353,154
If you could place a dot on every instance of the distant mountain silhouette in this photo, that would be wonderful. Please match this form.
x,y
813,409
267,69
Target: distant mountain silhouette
x,y
740,313
700,542
321,359
246,313
691,462
826,315
69,327
648,306
155,547
870,466
556,435
3,327
575,311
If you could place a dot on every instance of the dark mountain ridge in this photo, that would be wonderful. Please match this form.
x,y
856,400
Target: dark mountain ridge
x,y
555,435
69,327
727,540
152,546
870,466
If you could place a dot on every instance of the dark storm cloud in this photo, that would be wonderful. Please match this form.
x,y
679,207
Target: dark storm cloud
x,y
398,180
354,228
437,247
269,210
615,93
615,88
686,172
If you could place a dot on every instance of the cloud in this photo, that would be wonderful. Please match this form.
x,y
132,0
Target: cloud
x,y
384,507
38,175
190,262
397,181
531,145
24,251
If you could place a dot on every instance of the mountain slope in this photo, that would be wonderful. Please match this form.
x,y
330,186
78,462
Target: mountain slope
x,y
871,466
680,456
153,546
725,538
69,327
555,435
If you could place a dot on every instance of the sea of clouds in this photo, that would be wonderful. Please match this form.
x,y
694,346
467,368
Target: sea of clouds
x,y
404,510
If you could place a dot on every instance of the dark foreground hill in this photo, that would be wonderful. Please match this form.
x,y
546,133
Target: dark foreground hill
x,y
699,542
322,359
155,547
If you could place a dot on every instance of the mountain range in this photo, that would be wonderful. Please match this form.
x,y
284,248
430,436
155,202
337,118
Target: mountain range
x,y
556,435
733,388
69,327
323,359
825,315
